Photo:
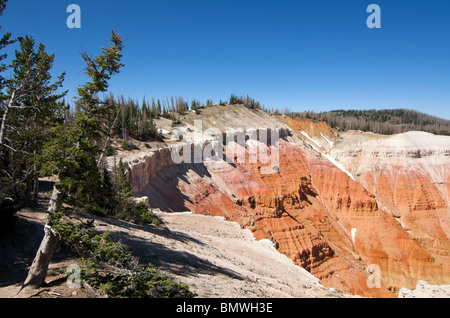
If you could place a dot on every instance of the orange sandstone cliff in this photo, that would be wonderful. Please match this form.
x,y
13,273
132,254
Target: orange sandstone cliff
x,y
350,221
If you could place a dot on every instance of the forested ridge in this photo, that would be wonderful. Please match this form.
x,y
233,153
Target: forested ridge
x,y
386,122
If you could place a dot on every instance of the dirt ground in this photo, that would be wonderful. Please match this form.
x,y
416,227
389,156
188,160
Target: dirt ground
x,y
17,252
216,258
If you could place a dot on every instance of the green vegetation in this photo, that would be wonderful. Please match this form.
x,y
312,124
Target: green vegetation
x,y
246,101
111,268
135,119
29,104
387,122
125,207
41,136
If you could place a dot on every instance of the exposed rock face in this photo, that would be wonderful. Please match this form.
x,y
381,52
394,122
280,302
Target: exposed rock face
x,y
410,175
315,211
425,290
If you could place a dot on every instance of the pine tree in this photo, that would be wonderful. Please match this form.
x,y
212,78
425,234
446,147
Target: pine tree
x,y
159,109
34,111
154,111
123,187
32,106
8,204
4,42
73,152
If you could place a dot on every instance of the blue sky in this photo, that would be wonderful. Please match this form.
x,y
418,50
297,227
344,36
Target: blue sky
x,y
304,54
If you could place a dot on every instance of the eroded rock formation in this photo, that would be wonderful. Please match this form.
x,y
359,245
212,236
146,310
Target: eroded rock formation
x,y
334,217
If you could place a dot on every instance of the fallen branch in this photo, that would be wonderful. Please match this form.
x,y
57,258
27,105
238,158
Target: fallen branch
x,y
54,293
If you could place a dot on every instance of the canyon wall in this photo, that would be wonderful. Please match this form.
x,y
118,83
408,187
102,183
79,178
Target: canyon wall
x,y
337,221
410,176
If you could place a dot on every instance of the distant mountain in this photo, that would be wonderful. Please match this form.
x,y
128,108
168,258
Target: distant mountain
x,y
386,122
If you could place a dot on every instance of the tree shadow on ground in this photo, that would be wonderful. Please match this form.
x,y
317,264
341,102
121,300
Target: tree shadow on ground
x,y
181,263
18,250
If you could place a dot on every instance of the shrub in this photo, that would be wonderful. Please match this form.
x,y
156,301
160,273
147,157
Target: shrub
x,y
126,207
176,122
109,151
144,282
137,212
147,217
112,269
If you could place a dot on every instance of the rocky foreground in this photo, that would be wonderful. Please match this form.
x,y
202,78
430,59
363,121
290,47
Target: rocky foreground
x,y
216,258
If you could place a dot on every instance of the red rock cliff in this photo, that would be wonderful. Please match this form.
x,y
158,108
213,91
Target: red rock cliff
x,y
315,212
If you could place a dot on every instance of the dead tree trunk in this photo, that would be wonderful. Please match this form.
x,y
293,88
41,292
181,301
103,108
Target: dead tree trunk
x,y
56,200
38,270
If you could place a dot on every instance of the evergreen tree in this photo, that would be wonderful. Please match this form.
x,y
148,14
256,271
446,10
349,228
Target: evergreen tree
x,y
8,204
35,110
123,187
4,42
30,104
73,152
